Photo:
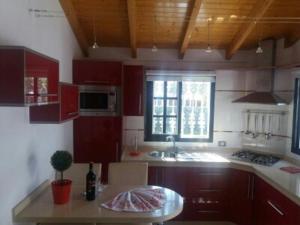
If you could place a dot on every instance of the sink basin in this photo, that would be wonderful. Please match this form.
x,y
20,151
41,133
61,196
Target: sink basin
x,y
162,154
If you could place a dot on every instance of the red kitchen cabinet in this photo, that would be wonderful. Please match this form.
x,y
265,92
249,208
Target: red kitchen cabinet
x,y
273,208
205,190
133,90
97,139
241,197
206,194
94,72
27,77
66,109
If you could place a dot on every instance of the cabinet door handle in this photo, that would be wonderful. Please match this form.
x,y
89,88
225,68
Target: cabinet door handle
x,y
72,113
140,104
275,208
117,151
252,187
249,186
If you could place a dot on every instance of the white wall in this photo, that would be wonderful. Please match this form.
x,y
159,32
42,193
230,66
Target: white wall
x,y
231,81
25,148
284,84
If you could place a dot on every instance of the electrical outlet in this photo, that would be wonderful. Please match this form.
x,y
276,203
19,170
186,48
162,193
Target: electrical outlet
x,y
222,143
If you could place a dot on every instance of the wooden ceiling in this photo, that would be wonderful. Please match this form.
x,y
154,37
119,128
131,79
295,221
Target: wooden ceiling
x,y
182,24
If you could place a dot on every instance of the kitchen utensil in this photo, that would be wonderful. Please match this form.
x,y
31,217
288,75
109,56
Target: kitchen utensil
x,y
247,123
255,133
269,134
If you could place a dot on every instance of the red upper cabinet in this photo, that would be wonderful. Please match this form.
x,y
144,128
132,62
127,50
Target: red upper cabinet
x,y
133,90
27,77
94,72
69,101
66,109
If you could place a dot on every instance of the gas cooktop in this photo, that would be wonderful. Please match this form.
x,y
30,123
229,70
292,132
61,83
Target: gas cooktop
x,y
253,157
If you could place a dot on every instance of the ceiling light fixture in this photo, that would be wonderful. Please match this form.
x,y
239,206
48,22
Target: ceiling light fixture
x,y
259,49
154,47
220,19
208,49
95,45
233,16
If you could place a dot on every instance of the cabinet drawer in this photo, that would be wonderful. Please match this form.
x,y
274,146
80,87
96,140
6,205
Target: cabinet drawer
x,y
207,178
203,212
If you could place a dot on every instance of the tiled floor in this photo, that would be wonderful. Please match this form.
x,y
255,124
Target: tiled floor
x,y
197,223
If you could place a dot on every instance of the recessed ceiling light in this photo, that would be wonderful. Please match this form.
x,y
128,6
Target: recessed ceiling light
x,y
220,19
209,19
233,16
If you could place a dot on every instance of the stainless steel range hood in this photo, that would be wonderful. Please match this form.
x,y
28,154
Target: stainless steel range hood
x,y
261,98
269,98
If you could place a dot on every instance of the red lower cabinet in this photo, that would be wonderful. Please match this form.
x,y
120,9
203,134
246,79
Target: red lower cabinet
x,y
273,208
241,197
220,194
97,139
204,190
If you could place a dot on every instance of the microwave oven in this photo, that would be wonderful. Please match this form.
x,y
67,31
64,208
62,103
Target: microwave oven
x,y
99,100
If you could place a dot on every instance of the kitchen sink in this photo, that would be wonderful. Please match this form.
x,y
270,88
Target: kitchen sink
x,y
162,154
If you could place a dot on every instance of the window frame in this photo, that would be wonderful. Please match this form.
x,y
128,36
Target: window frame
x,y
296,119
162,137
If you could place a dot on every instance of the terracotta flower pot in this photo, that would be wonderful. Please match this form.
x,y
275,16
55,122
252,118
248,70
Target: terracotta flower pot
x,y
61,191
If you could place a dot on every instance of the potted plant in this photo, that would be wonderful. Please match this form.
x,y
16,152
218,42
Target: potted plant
x,y
61,188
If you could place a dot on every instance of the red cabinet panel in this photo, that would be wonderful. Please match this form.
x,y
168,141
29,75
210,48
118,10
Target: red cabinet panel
x,y
273,208
66,109
69,98
133,90
27,77
97,139
97,72
241,197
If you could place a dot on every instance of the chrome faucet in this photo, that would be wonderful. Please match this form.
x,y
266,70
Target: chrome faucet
x,y
172,138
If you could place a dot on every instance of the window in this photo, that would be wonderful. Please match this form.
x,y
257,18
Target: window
x,y
180,107
296,119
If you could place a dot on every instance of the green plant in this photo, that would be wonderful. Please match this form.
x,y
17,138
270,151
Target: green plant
x,y
61,161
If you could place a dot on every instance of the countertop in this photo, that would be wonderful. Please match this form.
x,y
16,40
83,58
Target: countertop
x,y
288,184
41,209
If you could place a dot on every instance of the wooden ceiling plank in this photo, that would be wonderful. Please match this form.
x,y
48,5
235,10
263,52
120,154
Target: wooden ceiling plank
x,y
190,27
258,10
70,13
131,8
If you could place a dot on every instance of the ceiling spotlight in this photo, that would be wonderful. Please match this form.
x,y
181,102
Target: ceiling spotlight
x,y
154,48
233,16
208,49
259,49
95,45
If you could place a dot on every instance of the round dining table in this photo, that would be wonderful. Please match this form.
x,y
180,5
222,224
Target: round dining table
x,y
41,209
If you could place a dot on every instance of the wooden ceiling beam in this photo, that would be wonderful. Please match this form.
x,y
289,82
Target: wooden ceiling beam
x,y
190,27
131,8
70,13
257,12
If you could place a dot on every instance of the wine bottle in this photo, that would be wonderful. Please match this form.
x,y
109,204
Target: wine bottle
x,y
91,184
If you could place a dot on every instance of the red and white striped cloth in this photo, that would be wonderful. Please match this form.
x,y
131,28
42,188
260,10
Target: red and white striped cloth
x,y
137,200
